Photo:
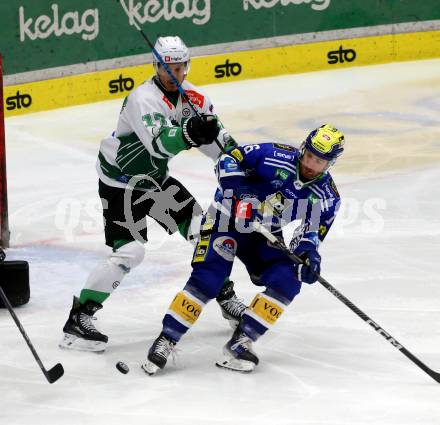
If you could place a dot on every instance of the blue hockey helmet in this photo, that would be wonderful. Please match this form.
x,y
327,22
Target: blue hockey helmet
x,y
327,142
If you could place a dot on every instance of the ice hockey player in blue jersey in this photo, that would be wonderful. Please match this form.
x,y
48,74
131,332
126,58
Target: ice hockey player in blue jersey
x,y
273,184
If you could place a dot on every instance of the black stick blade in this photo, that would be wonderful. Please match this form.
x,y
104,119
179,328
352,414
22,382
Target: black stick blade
x,y
434,375
55,373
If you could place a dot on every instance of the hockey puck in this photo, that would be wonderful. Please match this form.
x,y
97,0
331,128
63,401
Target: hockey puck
x,y
122,367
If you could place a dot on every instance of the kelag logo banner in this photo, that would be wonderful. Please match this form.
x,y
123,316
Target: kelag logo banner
x,y
199,12
57,23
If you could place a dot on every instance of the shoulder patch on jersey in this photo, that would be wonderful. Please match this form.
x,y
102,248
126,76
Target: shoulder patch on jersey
x,y
236,154
196,98
333,186
226,247
230,165
284,147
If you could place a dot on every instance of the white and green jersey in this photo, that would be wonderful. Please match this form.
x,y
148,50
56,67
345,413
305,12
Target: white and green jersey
x,y
148,134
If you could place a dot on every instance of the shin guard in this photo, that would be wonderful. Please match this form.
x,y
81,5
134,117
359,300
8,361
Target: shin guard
x,y
182,313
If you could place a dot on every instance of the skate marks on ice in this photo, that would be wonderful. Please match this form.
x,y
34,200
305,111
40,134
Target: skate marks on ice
x,y
321,365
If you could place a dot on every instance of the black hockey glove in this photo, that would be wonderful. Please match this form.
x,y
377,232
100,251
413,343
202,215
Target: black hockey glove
x,y
309,271
199,131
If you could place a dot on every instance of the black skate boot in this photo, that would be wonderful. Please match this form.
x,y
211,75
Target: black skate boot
x,y
79,331
232,308
238,354
158,354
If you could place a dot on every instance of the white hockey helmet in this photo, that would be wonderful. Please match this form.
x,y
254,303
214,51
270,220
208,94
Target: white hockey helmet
x,y
172,50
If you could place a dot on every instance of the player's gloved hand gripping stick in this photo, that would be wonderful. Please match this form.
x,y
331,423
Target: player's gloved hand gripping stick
x,y
258,227
203,118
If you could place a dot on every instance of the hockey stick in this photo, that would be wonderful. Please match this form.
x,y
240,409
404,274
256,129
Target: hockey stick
x,y
51,375
166,67
279,244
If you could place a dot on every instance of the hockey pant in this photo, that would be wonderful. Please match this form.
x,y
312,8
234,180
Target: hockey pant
x,y
212,262
173,208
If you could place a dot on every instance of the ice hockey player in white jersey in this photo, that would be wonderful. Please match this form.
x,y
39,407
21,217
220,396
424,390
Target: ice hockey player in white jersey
x,y
155,124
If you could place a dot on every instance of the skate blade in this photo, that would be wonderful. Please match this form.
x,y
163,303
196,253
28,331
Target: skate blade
x,y
236,365
149,367
73,342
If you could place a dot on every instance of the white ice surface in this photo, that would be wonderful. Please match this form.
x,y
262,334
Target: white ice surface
x,y
321,364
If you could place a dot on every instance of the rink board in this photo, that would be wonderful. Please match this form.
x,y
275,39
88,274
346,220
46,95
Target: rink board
x,y
104,85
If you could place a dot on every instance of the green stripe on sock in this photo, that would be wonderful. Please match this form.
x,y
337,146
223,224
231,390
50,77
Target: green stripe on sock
x,y
119,243
90,295
184,227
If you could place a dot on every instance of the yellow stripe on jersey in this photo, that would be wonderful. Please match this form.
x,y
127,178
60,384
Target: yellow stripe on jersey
x,y
265,308
186,308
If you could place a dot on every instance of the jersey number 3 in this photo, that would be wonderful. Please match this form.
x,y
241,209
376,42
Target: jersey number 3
x,y
155,119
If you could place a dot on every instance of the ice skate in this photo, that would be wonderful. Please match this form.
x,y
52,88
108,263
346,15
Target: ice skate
x,y
158,354
231,307
238,354
79,331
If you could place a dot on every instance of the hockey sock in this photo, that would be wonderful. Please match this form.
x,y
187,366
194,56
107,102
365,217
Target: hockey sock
x,y
262,313
182,313
91,295
107,276
103,280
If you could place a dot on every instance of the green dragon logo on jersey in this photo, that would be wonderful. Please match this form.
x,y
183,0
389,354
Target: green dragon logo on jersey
x,y
282,174
313,199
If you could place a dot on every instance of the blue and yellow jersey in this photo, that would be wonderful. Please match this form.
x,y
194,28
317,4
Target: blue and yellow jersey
x,y
269,174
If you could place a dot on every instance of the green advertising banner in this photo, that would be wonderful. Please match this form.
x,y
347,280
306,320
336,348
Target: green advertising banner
x,y
41,34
